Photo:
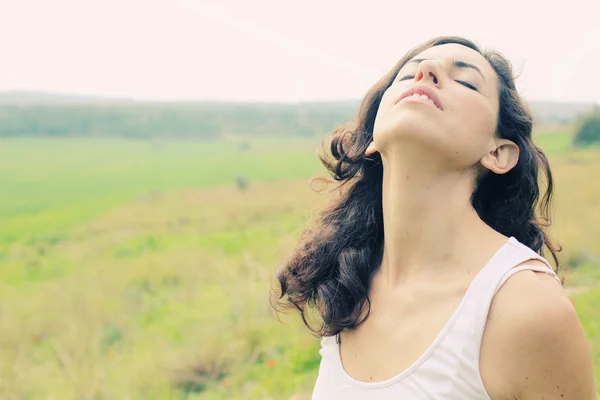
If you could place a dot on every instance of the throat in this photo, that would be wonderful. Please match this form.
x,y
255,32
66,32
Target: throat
x,y
425,221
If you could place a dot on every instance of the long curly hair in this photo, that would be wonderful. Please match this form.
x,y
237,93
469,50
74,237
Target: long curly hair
x,y
329,272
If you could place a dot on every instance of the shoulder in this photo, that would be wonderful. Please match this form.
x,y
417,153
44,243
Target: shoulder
x,y
536,343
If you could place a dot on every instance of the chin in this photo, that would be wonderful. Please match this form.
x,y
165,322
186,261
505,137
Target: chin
x,y
421,131
408,122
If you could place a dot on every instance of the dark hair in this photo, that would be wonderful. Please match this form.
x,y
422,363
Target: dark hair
x,y
329,272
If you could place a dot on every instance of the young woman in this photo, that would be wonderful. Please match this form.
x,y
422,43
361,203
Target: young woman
x,y
427,273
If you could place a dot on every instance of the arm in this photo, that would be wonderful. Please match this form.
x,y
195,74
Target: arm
x,y
541,347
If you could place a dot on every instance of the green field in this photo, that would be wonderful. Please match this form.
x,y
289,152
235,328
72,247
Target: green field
x,y
141,270
49,184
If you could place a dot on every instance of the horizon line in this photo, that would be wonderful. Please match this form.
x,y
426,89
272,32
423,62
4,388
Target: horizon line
x,y
132,99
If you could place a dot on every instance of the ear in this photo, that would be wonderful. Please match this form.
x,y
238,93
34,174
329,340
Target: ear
x,y
502,157
371,149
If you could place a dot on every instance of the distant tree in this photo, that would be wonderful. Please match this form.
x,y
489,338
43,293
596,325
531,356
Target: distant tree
x,y
206,121
241,183
588,133
244,146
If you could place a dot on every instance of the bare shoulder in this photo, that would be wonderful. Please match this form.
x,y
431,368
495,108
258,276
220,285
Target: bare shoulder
x,y
534,345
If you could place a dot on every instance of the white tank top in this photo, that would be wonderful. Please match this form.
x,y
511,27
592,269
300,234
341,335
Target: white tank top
x,y
449,368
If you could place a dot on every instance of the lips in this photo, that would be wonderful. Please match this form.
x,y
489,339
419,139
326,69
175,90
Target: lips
x,y
422,92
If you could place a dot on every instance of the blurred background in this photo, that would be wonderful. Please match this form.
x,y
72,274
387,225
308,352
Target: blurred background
x,y
154,165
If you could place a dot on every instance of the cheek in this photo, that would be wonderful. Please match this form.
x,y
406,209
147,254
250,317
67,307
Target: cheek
x,y
475,122
387,99
384,107
479,117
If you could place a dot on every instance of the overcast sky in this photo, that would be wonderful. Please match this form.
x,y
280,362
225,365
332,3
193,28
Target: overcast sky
x,y
282,50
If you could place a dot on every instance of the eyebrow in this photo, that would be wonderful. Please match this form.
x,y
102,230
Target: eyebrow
x,y
455,64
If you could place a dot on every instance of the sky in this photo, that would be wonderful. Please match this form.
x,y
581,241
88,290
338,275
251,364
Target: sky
x,y
267,50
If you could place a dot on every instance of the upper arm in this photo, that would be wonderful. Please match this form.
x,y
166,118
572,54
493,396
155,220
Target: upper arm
x,y
540,346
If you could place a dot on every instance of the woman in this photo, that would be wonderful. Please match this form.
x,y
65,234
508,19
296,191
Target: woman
x,y
427,274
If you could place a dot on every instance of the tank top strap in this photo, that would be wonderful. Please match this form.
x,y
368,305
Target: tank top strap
x,y
547,270
533,256
509,260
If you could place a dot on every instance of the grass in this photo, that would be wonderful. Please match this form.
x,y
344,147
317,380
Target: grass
x,y
51,184
148,286
130,270
587,304
554,141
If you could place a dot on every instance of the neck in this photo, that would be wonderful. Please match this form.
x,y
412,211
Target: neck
x,y
429,222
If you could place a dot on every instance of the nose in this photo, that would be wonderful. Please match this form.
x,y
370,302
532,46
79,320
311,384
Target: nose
x,y
429,70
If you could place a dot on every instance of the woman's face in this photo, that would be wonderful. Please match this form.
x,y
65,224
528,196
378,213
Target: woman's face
x,y
458,121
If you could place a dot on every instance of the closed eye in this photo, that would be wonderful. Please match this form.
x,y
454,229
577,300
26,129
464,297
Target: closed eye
x,y
468,85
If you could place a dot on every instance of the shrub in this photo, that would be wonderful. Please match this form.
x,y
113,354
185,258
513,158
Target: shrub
x,y
588,133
